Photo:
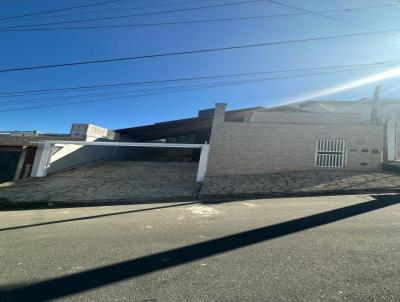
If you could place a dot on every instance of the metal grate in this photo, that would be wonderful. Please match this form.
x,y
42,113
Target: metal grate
x,y
330,153
8,164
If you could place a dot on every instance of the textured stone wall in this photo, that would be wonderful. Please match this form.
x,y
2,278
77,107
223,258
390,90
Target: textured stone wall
x,y
301,182
254,148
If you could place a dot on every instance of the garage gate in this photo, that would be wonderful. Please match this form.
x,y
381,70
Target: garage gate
x,y
9,160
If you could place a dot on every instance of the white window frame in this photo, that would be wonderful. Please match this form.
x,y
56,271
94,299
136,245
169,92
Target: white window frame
x,y
330,153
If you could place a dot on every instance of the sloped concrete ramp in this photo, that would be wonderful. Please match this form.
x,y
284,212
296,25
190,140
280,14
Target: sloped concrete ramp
x,y
109,182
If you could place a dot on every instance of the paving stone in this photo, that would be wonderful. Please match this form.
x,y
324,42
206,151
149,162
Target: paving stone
x,y
300,182
109,181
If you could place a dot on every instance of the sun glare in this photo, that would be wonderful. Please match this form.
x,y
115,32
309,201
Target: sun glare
x,y
388,74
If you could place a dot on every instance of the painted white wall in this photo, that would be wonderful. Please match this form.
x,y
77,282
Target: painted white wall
x,y
70,156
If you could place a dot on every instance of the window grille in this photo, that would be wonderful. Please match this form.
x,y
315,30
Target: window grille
x,y
330,153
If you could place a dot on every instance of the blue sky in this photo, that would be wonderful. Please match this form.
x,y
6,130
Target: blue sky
x,y
51,47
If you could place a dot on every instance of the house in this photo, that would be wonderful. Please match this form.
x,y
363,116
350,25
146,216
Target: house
x,y
309,136
271,141
18,148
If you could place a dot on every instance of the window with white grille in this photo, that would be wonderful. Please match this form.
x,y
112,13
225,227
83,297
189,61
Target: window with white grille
x,y
330,153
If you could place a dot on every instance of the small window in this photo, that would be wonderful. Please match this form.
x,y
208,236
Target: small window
x,y
330,153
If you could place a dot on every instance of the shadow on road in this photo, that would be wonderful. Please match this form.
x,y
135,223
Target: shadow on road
x,y
90,279
94,216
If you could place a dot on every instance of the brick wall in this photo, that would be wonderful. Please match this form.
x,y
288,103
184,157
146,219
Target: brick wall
x,y
253,148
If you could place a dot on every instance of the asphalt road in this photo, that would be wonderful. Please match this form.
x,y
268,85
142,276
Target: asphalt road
x,y
341,248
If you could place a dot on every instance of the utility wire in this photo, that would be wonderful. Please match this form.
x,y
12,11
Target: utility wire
x,y
324,16
121,9
207,50
192,21
46,99
319,14
59,10
108,86
136,15
174,90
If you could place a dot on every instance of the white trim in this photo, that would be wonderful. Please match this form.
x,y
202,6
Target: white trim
x,y
391,140
121,144
202,169
42,157
20,164
43,153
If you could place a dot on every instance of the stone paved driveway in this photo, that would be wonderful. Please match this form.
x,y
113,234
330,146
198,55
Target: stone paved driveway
x,y
108,182
148,181
299,183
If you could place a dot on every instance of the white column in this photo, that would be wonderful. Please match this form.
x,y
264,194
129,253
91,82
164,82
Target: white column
x,y
20,164
202,169
41,161
391,140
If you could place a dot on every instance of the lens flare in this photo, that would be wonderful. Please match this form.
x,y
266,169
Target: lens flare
x,y
391,73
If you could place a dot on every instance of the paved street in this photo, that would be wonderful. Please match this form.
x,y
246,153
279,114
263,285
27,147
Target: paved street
x,y
335,248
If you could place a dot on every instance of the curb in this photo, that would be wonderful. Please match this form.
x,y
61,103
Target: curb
x,y
6,205
261,195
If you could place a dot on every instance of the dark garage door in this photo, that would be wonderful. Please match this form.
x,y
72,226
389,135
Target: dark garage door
x,y
8,164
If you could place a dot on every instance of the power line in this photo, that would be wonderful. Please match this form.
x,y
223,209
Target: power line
x,y
318,14
179,53
122,9
60,9
46,99
323,16
136,15
102,86
174,90
193,21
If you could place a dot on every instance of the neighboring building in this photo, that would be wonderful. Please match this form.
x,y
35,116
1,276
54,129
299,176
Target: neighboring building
x,y
17,148
380,111
386,108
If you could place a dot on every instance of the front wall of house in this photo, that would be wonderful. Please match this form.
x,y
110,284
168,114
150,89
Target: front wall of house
x,y
253,148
